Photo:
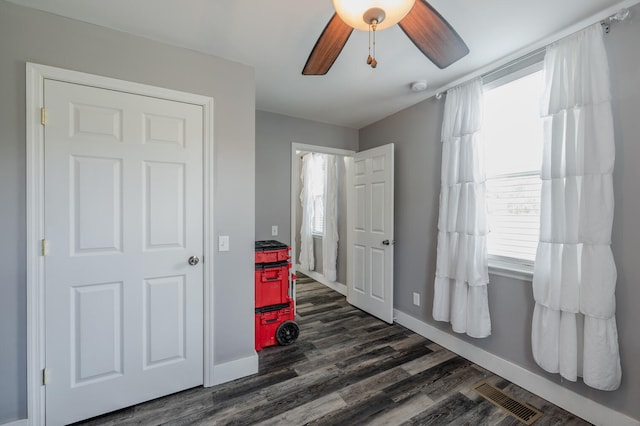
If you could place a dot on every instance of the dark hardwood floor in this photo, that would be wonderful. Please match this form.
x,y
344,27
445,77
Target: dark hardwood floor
x,y
346,368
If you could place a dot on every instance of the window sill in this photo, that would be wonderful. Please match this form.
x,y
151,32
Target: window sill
x,y
317,236
511,269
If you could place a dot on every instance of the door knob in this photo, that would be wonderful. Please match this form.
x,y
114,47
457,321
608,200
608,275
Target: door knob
x,y
387,242
193,260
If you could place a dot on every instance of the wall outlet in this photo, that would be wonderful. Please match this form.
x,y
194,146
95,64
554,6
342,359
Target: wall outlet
x,y
416,298
274,230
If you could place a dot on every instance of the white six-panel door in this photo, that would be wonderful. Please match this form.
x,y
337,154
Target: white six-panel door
x,y
370,224
123,214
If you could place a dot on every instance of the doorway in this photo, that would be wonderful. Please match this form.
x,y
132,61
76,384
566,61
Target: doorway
x,y
343,158
368,187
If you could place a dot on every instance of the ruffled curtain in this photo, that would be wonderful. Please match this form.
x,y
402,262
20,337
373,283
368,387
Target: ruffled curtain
x,y
574,327
460,291
306,259
330,239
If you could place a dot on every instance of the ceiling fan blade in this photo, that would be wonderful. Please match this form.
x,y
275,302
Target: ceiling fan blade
x,y
433,35
328,47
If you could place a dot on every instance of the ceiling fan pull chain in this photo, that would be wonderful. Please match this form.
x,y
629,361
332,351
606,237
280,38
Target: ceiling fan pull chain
x,y
369,58
373,26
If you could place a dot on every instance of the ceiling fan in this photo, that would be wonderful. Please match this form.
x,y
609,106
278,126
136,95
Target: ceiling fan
x,y
424,26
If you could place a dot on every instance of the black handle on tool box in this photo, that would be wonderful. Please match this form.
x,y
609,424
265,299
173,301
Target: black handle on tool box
x,y
276,278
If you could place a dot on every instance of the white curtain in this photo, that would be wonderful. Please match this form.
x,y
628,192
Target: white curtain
x,y
574,327
460,290
306,259
330,239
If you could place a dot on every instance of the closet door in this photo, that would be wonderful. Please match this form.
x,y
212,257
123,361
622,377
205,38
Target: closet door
x,y
123,221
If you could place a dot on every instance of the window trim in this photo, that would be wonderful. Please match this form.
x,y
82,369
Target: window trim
x,y
514,75
512,267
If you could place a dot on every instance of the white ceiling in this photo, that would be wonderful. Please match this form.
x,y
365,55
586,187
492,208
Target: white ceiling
x,y
276,37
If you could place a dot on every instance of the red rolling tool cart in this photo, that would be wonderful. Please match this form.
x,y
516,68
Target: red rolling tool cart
x,y
274,307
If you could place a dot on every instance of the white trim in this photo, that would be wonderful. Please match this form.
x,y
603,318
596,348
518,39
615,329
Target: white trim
x,y
35,233
209,246
23,422
603,14
511,269
513,76
322,149
334,285
236,369
294,159
35,77
575,403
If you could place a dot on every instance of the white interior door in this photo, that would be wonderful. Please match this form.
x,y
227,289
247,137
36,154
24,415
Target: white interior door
x,y
370,223
123,214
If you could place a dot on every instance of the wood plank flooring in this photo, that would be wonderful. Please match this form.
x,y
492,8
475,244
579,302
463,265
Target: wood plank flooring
x,y
346,368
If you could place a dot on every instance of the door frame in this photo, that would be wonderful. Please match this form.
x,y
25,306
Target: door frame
x,y
295,191
36,74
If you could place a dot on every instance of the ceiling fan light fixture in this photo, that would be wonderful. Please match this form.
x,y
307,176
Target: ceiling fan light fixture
x,y
355,12
424,26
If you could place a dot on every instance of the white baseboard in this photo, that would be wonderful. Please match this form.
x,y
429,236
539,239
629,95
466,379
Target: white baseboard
x,y
577,404
235,369
222,373
23,422
334,285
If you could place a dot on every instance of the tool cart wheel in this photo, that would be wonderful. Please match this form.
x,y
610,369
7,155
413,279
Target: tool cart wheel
x,y
287,333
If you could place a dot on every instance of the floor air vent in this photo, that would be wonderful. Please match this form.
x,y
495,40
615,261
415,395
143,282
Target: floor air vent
x,y
521,411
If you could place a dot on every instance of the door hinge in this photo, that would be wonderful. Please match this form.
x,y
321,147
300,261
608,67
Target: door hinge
x,y
43,116
46,376
44,247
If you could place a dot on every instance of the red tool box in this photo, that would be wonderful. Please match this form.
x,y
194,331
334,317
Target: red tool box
x,y
275,325
275,312
270,251
272,283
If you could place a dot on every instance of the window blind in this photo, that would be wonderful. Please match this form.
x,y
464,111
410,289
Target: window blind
x,y
513,213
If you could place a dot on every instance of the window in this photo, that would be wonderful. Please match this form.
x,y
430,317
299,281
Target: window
x,y
318,181
512,130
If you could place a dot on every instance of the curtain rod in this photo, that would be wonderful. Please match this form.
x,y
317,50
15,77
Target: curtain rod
x,y
618,12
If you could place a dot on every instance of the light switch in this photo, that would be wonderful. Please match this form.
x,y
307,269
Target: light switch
x,y
274,230
223,243
416,299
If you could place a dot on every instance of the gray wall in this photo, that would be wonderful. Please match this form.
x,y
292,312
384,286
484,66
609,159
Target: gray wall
x,y
29,35
416,132
274,135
